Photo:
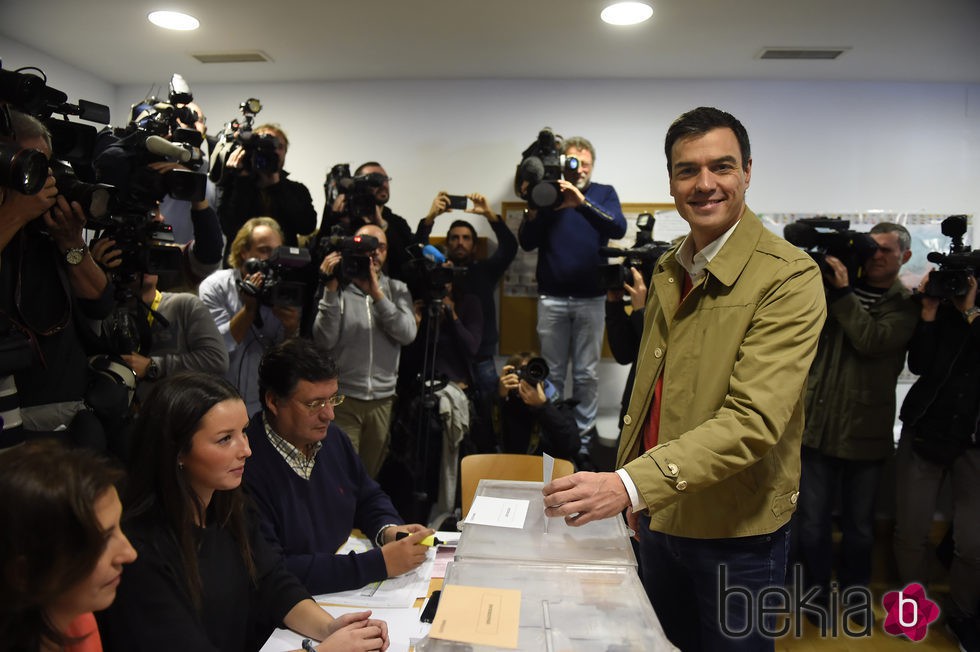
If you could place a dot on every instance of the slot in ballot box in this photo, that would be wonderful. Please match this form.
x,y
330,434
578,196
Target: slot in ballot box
x,y
581,608
604,542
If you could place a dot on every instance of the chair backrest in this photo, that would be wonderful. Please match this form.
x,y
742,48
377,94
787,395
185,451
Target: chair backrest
x,y
503,466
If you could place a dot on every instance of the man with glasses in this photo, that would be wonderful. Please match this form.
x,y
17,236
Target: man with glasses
x,y
363,322
309,484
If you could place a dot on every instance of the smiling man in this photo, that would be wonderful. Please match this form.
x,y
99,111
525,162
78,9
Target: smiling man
x,y
309,484
710,445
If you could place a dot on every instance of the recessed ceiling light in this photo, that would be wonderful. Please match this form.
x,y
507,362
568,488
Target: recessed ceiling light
x,y
626,13
174,20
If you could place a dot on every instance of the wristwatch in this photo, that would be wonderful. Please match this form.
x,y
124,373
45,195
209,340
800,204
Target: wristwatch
x,y
970,312
75,255
152,370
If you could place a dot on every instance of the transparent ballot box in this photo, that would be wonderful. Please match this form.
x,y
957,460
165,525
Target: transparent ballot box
x,y
565,608
603,542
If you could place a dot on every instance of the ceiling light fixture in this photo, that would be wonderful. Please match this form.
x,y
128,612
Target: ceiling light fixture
x,y
174,20
626,13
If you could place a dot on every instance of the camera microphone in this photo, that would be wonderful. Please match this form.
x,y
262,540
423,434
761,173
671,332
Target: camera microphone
x,y
163,147
936,257
431,253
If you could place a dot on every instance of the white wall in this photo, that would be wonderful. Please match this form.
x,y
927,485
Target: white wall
x,y
823,146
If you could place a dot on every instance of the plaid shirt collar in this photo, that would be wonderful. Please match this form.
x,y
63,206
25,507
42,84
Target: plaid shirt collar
x,y
297,461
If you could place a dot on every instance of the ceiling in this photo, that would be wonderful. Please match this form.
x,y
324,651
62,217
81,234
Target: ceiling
x,y
889,40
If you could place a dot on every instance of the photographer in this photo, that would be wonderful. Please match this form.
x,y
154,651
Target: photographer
x,y
257,185
482,276
363,325
247,326
534,419
371,178
50,284
570,309
624,329
939,443
850,408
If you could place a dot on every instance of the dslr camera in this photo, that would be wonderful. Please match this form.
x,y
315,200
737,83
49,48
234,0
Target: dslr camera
x,y
955,268
358,191
535,371
643,255
282,277
824,236
542,165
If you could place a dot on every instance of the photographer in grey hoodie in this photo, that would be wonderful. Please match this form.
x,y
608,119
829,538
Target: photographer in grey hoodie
x,y
363,323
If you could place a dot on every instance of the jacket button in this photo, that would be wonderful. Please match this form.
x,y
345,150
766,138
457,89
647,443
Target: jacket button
x,y
627,420
672,468
658,352
793,498
670,280
681,485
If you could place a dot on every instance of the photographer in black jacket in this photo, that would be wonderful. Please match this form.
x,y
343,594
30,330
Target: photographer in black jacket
x,y
534,419
939,439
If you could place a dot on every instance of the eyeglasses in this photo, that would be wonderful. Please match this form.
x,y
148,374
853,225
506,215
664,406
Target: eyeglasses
x,y
320,403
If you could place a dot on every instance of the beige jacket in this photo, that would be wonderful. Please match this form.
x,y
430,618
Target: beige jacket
x,y
735,355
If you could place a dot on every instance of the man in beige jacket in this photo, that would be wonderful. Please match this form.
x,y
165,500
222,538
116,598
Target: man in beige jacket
x,y
710,449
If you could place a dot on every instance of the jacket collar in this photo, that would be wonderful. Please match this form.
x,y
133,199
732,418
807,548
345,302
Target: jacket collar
x,y
728,264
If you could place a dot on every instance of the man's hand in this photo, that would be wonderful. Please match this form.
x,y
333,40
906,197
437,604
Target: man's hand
x,y
637,291
406,554
65,224
532,395
105,252
481,207
439,206
250,303
572,197
837,275
24,208
585,497
391,533
329,268
969,299
138,363
508,381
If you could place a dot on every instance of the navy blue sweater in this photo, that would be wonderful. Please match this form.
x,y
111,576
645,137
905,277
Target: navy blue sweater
x,y
568,243
309,520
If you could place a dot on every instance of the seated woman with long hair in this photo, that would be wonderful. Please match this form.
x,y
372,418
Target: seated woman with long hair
x,y
206,579
61,549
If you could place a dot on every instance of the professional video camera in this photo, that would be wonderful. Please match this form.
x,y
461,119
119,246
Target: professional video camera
x,y
955,268
359,190
542,165
260,150
26,170
355,253
643,256
426,275
824,236
282,277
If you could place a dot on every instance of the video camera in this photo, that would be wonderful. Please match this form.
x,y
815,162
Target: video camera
x,y
542,165
26,170
643,256
955,268
355,253
282,277
427,276
824,236
260,150
359,190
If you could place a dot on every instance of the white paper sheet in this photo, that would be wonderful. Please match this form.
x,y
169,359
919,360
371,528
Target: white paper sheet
x,y
499,512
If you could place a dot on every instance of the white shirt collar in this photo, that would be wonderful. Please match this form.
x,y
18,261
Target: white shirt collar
x,y
694,263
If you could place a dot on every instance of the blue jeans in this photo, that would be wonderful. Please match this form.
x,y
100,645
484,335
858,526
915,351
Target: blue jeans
x,y
858,482
485,376
682,578
570,327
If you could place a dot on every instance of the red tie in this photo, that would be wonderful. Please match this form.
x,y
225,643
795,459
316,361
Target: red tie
x,y
651,429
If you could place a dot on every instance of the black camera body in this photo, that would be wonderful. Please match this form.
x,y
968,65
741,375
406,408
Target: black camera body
x,y
261,153
952,279
282,277
823,236
643,255
355,253
534,372
542,165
